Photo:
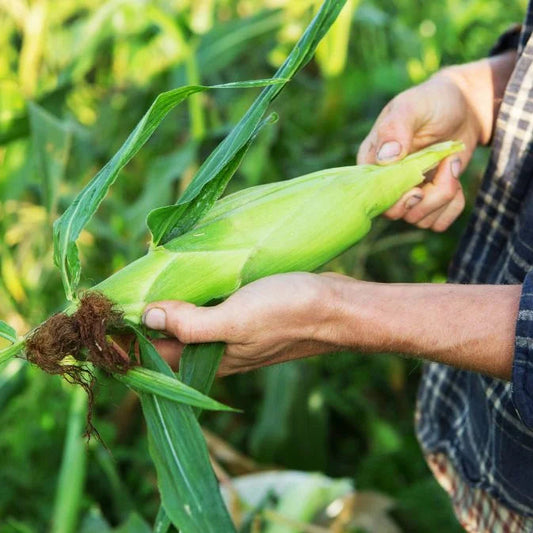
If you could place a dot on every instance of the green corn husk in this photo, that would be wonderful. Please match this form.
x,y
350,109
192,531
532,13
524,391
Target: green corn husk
x,y
295,225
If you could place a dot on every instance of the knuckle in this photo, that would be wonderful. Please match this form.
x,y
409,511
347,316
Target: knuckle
x,y
461,202
423,224
386,128
395,212
392,215
448,194
441,225
182,329
413,217
449,189
400,105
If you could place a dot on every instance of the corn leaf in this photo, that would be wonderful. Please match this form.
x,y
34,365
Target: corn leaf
x,y
161,177
162,521
227,41
189,490
69,226
69,491
144,380
213,176
196,365
134,524
51,140
12,380
332,53
158,218
7,332
13,127
14,347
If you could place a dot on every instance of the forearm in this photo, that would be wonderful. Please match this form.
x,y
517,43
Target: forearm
x,y
467,326
483,84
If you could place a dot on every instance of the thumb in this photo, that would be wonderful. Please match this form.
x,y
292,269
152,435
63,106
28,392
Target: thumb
x,y
185,321
391,137
395,132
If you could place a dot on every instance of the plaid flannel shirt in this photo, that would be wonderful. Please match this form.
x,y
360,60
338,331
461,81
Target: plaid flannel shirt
x,y
484,426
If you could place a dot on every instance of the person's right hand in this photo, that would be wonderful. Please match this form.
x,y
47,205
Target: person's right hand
x,y
455,104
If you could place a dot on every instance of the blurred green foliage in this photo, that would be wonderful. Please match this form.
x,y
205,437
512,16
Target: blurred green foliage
x,y
75,77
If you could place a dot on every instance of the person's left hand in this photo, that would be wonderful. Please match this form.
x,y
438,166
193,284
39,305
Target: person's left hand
x,y
269,321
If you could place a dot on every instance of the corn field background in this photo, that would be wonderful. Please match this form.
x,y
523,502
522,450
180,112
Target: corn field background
x,y
75,78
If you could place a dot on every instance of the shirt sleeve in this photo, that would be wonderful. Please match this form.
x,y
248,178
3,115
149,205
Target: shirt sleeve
x,y
507,41
522,378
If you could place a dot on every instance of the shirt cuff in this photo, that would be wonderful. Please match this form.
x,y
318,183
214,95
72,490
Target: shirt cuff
x,y
522,379
507,41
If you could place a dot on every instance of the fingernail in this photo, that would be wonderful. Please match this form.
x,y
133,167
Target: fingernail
x,y
389,150
455,166
155,318
412,201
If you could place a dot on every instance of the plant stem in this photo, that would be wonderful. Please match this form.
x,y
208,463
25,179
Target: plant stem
x,y
7,353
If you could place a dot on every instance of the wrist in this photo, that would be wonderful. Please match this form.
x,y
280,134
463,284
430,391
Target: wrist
x,y
482,84
476,97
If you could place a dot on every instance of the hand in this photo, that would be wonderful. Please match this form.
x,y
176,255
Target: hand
x,y
289,316
458,103
269,321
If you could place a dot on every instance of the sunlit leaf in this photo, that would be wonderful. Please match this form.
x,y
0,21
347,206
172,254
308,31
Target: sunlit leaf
x,y
7,332
214,174
147,381
69,226
189,489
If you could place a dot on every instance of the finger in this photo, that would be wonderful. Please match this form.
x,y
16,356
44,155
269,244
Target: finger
x,y
170,350
438,193
187,322
367,150
333,275
450,214
428,221
391,137
405,203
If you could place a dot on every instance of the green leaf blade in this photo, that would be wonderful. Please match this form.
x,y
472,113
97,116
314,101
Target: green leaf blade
x,y
197,365
7,332
162,521
162,218
148,381
206,187
189,490
69,226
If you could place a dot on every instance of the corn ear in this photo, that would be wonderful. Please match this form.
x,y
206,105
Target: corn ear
x,y
295,225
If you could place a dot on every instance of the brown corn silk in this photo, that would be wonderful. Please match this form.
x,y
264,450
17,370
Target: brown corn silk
x,y
83,336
